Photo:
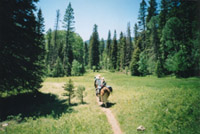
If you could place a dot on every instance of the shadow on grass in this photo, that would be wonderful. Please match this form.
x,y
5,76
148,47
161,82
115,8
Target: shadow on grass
x,y
33,105
109,104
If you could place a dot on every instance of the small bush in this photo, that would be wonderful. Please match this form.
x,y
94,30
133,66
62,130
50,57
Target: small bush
x,y
80,93
70,92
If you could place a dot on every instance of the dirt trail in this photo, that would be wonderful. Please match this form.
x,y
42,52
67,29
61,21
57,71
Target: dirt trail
x,y
111,119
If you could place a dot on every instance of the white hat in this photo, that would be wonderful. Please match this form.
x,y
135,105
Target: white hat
x,y
98,76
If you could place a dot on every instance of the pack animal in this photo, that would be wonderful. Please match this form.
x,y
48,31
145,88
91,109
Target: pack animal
x,y
104,94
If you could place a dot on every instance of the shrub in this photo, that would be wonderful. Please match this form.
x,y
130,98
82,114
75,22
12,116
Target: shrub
x,y
80,93
70,92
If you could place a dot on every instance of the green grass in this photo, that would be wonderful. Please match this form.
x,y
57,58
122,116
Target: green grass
x,y
161,105
48,112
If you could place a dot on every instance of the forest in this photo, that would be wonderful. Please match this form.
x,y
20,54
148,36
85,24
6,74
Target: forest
x,y
47,77
165,41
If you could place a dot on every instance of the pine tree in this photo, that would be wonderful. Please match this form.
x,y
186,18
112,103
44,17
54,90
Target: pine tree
x,y
80,93
58,70
55,47
163,16
136,33
142,22
177,60
69,25
86,54
142,15
22,46
152,10
129,46
94,49
77,47
69,87
153,36
122,42
114,51
49,48
134,62
101,49
108,45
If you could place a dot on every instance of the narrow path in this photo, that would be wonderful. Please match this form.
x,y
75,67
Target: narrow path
x,y
111,119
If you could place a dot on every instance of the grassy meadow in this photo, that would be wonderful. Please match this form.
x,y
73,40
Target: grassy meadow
x,y
161,105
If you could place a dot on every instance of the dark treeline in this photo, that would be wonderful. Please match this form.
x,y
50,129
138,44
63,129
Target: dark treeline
x,y
21,45
165,42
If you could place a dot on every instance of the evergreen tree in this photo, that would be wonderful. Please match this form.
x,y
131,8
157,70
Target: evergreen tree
x,y
94,49
142,15
58,70
55,47
108,50
56,26
114,51
163,16
129,46
136,33
49,48
119,47
86,54
80,93
77,48
143,63
134,62
177,60
69,25
108,45
153,36
152,10
69,87
101,49
122,51
142,22
22,46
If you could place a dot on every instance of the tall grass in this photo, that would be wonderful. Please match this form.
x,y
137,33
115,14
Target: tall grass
x,y
49,113
162,105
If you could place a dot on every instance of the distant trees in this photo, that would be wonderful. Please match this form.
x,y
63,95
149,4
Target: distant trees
x,y
167,49
66,54
114,50
122,51
86,54
129,46
22,46
69,25
94,49
164,43
108,51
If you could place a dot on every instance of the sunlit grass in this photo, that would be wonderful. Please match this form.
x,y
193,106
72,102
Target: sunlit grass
x,y
161,105
83,119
